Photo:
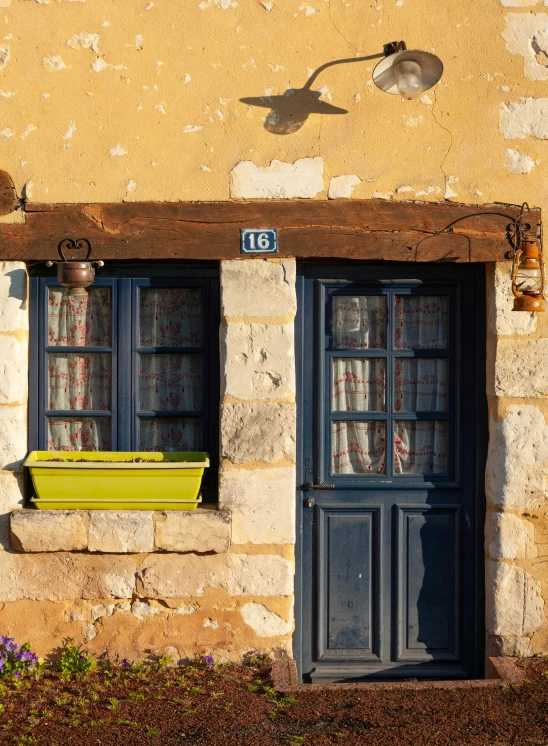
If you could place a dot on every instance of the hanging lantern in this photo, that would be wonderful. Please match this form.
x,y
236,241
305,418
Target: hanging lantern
x,y
528,276
72,274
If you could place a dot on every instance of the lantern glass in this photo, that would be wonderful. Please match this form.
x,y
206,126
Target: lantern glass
x,y
529,278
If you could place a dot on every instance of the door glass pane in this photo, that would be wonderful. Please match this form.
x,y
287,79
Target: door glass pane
x,y
170,317
420,322
359,322
359,385
420,447
170,434
421,384
79,381
170,382
79,434
358,448
79,320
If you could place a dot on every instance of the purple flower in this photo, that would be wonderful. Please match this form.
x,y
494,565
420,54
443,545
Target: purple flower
x,y
82,658
27,657
209,660
17,674
126,663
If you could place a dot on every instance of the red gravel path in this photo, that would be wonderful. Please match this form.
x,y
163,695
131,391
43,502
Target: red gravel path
x,y
236,705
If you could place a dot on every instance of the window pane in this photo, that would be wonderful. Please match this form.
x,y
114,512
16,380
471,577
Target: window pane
x,y
358,448
79,381
170,382
79,434
170,317
359,385
420,447
421,385
359,322
420,322
79,320
167,434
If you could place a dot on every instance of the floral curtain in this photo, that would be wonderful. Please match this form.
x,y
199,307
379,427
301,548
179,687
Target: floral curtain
x,y
420,385
359,322
79,320
79,381
359,385
170,317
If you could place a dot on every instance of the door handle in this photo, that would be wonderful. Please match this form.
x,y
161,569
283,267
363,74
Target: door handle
x,y
310,486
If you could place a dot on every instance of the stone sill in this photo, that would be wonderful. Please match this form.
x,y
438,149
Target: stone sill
x,y
500,672
206,529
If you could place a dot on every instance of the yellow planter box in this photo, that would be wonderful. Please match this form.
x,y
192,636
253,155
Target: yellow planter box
x,y
108,480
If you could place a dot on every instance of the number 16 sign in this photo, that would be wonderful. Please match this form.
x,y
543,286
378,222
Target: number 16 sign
x,y
258,241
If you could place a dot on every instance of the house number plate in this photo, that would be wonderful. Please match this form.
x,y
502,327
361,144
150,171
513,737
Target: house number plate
x,y
259,241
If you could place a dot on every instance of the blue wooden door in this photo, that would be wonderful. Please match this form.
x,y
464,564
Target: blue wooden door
x,y
392,417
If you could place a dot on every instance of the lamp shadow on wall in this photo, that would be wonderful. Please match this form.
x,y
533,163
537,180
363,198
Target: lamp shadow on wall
x,y
290,110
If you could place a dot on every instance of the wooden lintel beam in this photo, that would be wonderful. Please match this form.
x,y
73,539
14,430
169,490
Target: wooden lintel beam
x,y
341,229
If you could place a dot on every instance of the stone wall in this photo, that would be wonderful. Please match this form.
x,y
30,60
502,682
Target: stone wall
x,y
516,538
215,581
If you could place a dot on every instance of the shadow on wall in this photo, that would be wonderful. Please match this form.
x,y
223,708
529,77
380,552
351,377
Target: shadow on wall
x,y
290,111
18,286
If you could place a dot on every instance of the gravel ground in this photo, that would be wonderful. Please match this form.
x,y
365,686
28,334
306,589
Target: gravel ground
x,y
237,705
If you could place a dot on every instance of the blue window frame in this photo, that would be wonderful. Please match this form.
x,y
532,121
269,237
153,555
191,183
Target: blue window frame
x,y
125,411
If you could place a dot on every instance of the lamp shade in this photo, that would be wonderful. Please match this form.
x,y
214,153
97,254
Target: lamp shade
x,y
384,74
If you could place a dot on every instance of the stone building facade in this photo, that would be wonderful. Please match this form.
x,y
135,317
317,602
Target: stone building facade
x,y
155,116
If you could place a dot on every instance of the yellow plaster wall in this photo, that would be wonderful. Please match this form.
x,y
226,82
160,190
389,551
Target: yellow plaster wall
x,y
166,66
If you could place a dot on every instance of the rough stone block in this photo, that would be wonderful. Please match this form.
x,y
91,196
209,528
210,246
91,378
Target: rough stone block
x,y
49,530
265,623
515,476
65,576
508,537
262,503
11,498
181,576
13,437
514,603
13,370
192,531
258,361
14,307
502,320
258,431
279,180
258,287
121,531
520,368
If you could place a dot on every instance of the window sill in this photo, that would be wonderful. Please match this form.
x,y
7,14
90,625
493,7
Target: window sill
x,y
206,529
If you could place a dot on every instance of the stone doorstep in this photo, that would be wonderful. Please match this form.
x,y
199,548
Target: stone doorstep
x,y
121,532
500,672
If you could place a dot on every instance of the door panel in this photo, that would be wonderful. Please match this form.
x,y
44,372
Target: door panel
x,y
391,427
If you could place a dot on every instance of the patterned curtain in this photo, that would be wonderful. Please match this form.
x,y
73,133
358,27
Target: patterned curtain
x,y
166,434
79,381
359,385
82,434
359,448
420,385
171,317
79,320
170,382
359,322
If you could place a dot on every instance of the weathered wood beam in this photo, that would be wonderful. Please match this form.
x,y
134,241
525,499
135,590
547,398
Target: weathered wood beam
x,y
341,229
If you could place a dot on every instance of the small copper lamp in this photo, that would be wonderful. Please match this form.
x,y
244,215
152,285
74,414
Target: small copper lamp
x,y
528,276
73,274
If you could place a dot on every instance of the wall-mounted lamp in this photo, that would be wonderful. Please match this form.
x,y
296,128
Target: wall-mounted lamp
x,y
528,276
72,274
407,72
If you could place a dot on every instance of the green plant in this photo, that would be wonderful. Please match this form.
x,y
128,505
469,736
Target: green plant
x,y
137,696
75,660
113,703
18,661
152,731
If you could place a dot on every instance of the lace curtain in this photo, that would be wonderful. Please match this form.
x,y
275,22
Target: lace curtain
x,y
420,385
82,381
